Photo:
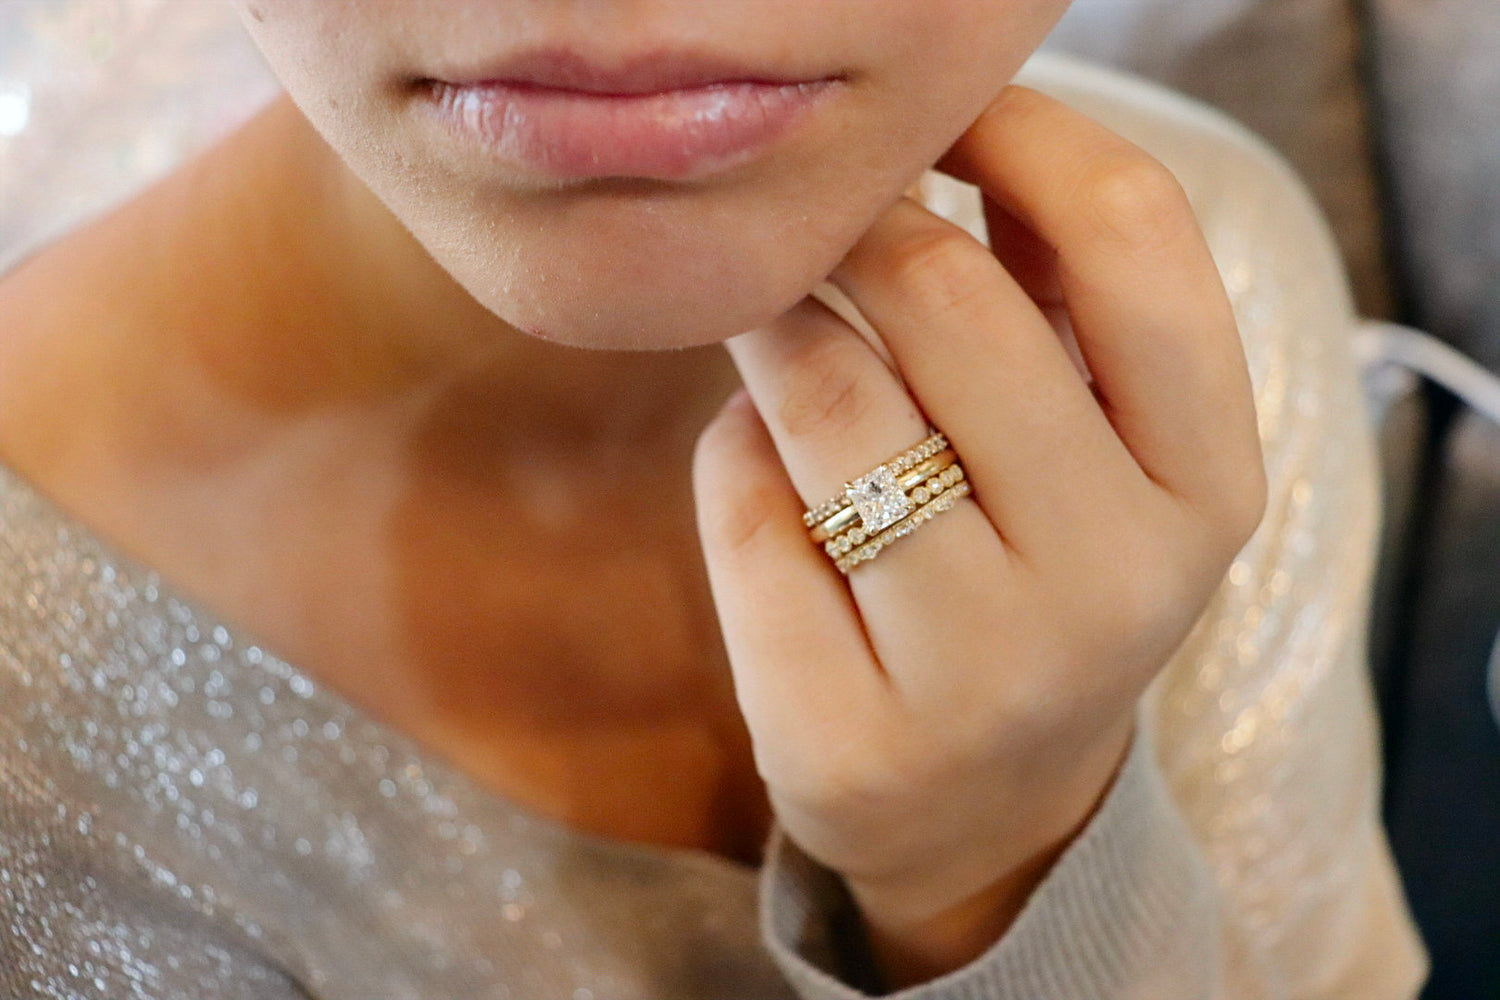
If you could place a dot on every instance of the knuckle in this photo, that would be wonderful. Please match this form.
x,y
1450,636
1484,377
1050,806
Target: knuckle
x,y
742,519
940,271
1249,505
731,517
1237,508
1147,597
826,393
1147,584
845,781
1134,202
998,714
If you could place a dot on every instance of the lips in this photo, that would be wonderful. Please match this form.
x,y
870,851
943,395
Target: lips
x,y
669,116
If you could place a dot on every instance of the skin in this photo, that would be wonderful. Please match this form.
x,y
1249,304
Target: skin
x,y
725,255
340,347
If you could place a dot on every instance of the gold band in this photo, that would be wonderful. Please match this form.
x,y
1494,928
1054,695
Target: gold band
x,y
908,459
872,548
888,503
950,481
909,481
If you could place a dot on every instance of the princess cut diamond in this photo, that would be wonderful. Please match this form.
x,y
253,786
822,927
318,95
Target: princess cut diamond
x,y
879,499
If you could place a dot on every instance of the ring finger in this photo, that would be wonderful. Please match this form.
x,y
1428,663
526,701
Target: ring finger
x,y
835,411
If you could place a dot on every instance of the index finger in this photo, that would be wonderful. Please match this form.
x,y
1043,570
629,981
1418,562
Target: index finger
x,y
1148,306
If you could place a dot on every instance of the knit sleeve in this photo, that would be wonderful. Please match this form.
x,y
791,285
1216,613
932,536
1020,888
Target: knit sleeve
x,y
1129,910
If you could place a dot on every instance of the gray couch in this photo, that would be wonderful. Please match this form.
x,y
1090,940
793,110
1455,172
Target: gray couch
x,y
1390,109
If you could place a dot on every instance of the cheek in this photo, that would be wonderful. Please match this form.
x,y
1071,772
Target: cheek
x,y
951,57
326,53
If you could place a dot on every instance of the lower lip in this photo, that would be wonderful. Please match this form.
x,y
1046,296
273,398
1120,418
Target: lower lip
x,y
671,135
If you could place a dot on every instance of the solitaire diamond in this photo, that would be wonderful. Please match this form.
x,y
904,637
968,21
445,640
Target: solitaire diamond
x,y
879,499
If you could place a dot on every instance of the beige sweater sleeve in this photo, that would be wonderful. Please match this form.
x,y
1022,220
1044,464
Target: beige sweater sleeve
x,y
1130,910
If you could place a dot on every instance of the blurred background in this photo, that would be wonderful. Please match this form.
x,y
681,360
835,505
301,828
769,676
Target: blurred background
x,y
1389,109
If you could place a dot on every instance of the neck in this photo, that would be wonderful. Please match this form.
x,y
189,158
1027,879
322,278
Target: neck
x,y
311,429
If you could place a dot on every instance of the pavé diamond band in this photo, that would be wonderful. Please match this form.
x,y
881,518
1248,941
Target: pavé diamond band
x,y
917,453
872,548
888,502
908,482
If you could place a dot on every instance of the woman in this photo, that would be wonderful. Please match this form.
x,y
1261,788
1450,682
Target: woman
x,y
388,390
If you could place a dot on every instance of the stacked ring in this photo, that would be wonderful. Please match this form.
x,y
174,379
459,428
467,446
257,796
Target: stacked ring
x,y
887,503
919,452
907,482
873,547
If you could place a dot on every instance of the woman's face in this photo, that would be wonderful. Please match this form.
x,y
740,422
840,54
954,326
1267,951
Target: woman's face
x,y
642,173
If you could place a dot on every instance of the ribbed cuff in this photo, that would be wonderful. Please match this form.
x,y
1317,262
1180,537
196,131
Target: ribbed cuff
x,y
1129,910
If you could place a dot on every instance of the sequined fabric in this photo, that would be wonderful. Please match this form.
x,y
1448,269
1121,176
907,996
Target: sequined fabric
x,y
1264,717
183,814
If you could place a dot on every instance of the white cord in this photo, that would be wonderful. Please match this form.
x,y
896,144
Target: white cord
x,y
1378,344
1390,343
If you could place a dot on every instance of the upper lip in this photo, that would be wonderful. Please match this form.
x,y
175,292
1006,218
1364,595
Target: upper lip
x,y
645,73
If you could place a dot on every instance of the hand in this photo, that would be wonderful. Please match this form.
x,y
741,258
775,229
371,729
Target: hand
x,y
938,726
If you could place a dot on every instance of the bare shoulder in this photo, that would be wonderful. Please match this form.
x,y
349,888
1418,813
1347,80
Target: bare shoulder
x,y
60,310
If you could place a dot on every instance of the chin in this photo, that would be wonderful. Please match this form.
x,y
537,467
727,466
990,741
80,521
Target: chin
x,y
632,288
616,324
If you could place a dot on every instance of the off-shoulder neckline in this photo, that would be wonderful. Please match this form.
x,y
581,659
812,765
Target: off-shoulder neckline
x,y
69,530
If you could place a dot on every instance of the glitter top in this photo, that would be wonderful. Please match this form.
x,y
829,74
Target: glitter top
x,y
183,814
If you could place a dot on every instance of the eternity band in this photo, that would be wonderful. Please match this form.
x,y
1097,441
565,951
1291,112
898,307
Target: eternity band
x,y
872,548
908,482
908,459
888,502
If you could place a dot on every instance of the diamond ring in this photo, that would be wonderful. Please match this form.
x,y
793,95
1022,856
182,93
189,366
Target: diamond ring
x,y
887,503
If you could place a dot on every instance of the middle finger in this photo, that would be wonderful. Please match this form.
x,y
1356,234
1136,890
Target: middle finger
x,y
983,360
